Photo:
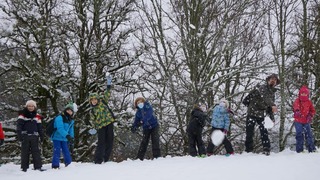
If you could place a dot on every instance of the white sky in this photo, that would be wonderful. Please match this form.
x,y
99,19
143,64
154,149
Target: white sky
x,y
287,165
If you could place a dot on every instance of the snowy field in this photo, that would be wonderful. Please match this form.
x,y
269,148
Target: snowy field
x,y
287,165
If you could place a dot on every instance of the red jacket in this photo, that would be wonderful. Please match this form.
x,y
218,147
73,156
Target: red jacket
x,y
303,107
1,132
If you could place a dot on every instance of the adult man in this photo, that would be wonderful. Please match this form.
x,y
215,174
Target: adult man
x,y
259,101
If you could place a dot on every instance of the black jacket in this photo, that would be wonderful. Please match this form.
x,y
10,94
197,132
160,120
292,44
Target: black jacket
x,y
261,100
197,121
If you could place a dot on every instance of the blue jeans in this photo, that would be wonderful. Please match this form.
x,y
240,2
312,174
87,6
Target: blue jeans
x,y
303,131
59,146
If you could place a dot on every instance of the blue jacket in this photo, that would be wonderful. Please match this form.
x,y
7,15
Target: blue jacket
x,y
63,128
145,117
220,118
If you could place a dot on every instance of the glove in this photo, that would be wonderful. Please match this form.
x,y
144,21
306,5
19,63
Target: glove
x,y
92,131
133,129
70,139
71,147
225,131
309,118
109,79
297,114
1,142
41,139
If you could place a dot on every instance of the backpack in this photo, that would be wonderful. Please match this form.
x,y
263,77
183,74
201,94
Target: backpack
x,y
50,129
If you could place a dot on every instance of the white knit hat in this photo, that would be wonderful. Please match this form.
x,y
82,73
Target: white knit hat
x,y
32,103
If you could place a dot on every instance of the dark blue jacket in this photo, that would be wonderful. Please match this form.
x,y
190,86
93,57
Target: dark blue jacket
x,y
29,123
145,117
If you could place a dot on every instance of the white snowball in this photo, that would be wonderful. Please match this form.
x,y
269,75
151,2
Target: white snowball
x,y
217,137
268,123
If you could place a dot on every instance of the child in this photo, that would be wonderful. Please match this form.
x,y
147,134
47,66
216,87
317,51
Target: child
x,y
303,113
194,130
221,121
64,134
146,117
102,118
1,135
1,139
29,130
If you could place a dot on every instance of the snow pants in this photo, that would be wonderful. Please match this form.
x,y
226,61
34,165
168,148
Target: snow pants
x,y
196,144
303,131
105,144
225,142
250,124
155,139
59,146
30,144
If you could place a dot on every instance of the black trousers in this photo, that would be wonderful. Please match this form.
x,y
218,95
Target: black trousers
x,y
250,124
155,139
225,142
104,145
30,144
196,142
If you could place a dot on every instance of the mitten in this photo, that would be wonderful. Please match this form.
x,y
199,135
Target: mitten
x,y
225,131
70,139
41,139
309,118
71,147
133,129
1,142
297,114
109,79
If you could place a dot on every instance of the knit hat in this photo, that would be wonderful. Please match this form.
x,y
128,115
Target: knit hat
x,y
225,102
31,103
139,99
69,106
273,76
93,96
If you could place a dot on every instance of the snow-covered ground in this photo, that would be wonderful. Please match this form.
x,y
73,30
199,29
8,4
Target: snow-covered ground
x,y
286,165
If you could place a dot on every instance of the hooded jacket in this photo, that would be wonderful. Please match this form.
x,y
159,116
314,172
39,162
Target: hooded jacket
x,y
100,115
29,123
64,126
262,98
197,122
220,118
145,117
303,107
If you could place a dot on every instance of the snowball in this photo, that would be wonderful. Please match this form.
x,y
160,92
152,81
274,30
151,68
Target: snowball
x,y
268,123
217,137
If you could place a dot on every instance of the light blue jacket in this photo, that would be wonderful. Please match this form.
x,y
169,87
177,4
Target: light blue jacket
x,y
63,129
220,118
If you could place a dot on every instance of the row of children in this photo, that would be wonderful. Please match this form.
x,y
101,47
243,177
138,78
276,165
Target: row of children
x,y
260,103
30,132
